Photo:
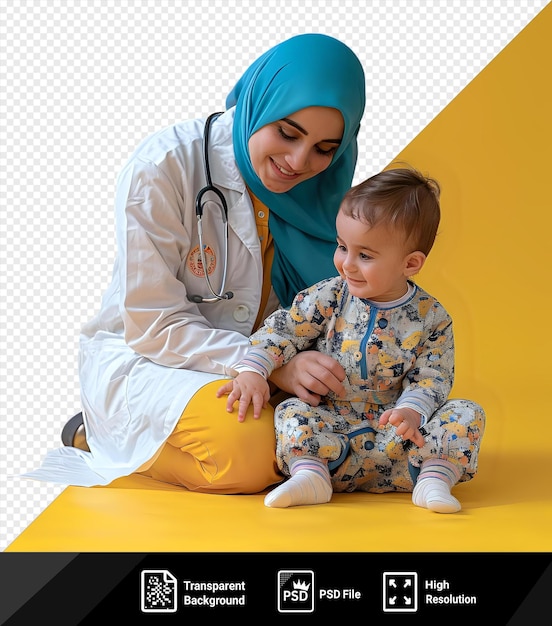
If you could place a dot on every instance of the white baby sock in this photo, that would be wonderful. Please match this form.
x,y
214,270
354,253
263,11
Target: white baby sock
x,y
309,484
432,489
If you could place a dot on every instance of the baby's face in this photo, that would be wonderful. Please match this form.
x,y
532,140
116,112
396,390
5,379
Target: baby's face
x,y
373,260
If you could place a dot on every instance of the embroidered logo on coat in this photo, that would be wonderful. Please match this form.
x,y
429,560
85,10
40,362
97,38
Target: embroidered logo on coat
x,y
196,265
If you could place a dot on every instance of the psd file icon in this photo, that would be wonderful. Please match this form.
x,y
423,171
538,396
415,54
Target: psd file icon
x,y
158,591
295,591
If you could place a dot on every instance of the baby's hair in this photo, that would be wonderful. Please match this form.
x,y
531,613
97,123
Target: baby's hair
x,y
401,198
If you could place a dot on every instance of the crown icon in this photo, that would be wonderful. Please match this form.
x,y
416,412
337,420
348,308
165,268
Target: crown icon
x,y
301,585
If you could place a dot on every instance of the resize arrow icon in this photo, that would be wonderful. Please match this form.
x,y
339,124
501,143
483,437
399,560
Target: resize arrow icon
x,y
400,592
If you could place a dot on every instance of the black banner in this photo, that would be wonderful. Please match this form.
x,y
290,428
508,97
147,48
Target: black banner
x,y
382,588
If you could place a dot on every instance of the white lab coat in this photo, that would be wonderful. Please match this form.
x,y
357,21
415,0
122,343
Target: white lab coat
x,y
150,349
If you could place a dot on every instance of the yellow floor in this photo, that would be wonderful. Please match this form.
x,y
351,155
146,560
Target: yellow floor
x,y
491,149
506,510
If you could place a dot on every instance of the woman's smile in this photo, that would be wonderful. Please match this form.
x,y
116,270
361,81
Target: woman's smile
x,y
283,171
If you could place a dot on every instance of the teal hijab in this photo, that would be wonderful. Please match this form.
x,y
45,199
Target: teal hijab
x,y
304,71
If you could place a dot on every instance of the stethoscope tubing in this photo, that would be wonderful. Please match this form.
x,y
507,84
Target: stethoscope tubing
x,y
210,188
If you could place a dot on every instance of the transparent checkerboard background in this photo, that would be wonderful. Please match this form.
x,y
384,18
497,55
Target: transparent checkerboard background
x,y
83,82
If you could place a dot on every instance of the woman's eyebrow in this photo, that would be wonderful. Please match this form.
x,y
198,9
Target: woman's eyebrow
x,y
305,132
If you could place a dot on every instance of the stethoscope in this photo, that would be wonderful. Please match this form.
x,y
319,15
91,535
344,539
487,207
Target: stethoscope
x,y
200,204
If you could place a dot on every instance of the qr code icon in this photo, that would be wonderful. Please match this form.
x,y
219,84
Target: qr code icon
x,y
158,591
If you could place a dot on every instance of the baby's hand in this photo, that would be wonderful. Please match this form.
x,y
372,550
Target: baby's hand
x,y
406,422
248,388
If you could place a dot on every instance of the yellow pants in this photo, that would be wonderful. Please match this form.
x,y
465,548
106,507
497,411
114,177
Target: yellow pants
x,y
211,452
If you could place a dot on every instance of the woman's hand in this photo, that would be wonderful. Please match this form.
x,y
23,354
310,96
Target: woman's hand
x,y
248,388
406,422
310,375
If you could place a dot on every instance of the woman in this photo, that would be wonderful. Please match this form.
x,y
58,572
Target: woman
x,y
170,326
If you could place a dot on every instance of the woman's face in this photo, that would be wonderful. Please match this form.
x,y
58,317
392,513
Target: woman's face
x,y
295,148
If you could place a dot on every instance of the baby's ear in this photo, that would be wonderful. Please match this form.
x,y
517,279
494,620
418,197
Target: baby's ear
x,y
413,263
